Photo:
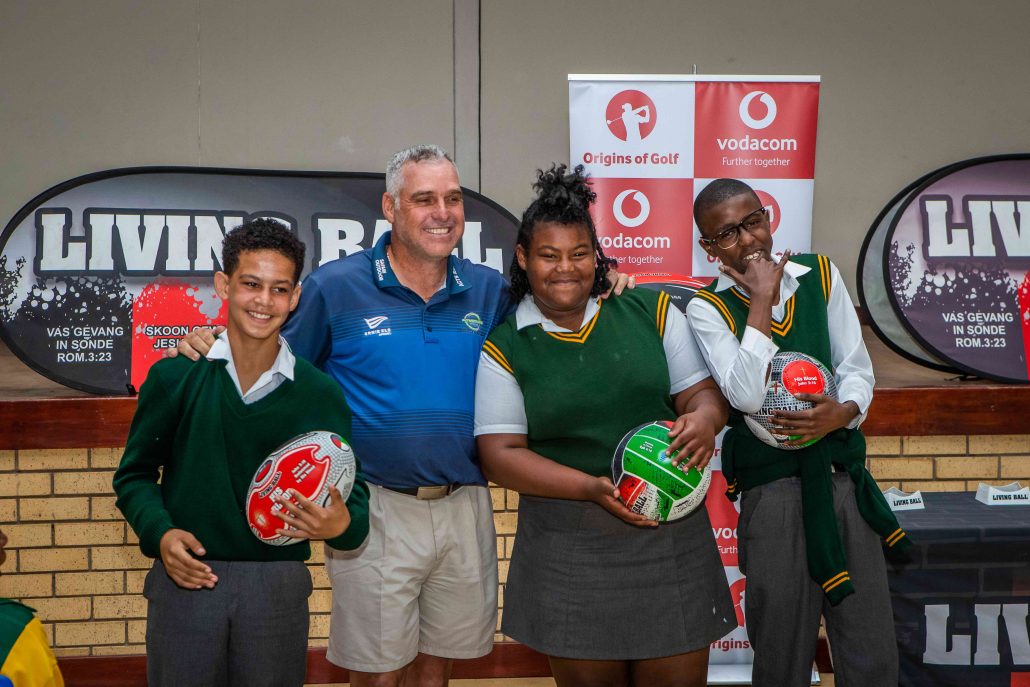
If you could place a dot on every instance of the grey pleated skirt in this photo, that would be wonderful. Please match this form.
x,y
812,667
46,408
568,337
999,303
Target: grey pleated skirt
x,y
583,584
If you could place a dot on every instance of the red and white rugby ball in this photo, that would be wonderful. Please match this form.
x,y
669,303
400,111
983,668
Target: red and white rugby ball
x,y
309,464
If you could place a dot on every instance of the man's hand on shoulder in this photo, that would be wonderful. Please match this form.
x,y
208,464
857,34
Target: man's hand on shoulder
x,y
195,344
185,570
620,282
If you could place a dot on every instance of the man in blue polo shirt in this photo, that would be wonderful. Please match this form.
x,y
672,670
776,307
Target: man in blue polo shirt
x,y
400,326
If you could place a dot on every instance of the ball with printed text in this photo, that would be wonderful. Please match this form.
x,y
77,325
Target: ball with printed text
x,y
308,464
648,482
790,374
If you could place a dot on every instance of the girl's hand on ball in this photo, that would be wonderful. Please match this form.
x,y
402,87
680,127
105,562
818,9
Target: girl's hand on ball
x,y
825,416
311,521
604,494
692,441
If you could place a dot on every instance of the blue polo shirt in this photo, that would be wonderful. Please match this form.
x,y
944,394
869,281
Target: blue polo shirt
x,y
407,367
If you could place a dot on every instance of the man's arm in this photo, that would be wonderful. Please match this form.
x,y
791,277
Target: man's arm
x,y
307,330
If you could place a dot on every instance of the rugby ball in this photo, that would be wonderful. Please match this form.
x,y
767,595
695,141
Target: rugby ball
x,y
648,482
790,373
310,464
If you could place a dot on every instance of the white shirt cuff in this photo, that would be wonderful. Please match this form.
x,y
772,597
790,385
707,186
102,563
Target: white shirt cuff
x,y
758,344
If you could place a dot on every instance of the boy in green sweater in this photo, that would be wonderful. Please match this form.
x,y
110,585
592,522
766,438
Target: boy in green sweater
x,y
811,519
223,607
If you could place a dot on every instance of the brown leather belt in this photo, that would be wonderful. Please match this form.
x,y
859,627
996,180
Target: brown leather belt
x,y
427,493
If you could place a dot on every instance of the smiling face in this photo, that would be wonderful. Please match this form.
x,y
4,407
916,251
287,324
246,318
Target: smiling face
x,y
260,294
560,264
428,216
751,245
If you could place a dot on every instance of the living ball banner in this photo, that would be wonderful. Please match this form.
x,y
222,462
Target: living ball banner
x,y
102,273
650,144
956,266
944,271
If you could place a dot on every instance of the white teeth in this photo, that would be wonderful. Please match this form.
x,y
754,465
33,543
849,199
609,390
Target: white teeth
x,y
438,230
260,316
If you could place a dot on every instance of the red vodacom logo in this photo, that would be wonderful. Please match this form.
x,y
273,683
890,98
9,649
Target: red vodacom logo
x,y
753,115
626,214
631,116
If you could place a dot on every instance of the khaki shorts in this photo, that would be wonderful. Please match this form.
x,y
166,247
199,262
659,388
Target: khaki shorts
x,y
424,581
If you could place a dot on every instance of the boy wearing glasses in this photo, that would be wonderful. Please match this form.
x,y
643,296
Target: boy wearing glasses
x,y
810,517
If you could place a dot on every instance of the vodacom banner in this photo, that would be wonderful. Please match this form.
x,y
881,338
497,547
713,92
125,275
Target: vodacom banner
x,y
651,143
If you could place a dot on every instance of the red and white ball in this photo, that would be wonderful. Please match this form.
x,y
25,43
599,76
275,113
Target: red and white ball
x,y
310,464
790,373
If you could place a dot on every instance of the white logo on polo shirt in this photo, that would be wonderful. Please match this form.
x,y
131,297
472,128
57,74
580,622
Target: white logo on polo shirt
x,y
374,328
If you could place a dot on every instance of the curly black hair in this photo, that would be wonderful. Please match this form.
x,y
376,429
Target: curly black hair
x,y
262,234
719,191
563,197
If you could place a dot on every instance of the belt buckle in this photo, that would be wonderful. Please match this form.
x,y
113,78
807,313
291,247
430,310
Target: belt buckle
x,y
433,493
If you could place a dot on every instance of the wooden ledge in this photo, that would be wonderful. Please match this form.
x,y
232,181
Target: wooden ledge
x,y
87,422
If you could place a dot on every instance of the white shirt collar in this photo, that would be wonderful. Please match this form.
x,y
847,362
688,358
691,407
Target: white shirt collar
x,y
528,314
791,273
282,367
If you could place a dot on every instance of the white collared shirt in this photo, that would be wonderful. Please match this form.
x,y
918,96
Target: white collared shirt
x,y
270,379
500,406
740,367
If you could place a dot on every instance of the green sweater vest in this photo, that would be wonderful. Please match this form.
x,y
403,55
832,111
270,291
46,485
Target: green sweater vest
x,y
748,462
191,423
583,391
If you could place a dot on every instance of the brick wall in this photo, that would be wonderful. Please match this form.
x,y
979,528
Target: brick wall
x,y
75,561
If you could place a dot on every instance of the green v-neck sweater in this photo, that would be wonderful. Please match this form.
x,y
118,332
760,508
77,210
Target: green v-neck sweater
x,y
748,462
192,428
584,390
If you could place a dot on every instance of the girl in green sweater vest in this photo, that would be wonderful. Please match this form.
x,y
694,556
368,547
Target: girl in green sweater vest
x,y
609,596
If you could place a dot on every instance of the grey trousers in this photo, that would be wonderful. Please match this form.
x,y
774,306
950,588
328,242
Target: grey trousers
x,y
783,604
251,630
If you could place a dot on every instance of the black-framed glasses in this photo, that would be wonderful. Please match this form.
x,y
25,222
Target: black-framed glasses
x,y
727,238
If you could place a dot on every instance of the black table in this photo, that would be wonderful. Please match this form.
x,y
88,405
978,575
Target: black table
x,y
960,602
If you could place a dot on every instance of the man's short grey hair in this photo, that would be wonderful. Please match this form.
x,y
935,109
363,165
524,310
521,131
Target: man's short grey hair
x,y
419,153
